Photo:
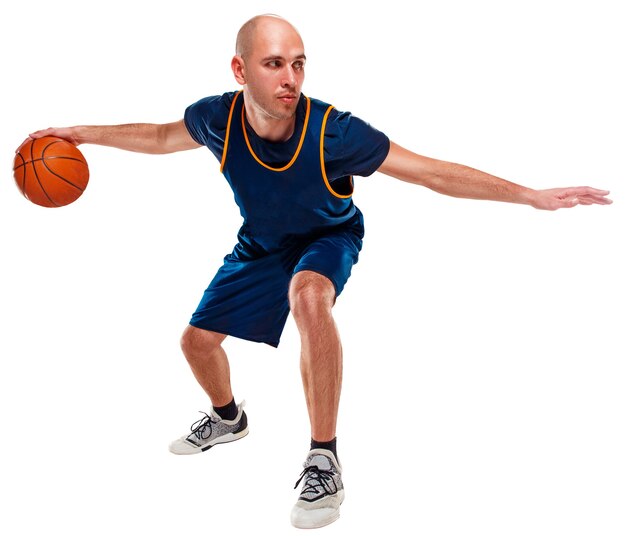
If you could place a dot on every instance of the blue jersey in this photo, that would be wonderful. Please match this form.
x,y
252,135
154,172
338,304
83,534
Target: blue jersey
x,y
296,202
351,146
292,190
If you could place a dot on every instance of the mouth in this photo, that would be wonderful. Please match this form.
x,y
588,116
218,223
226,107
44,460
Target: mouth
x,y
288,99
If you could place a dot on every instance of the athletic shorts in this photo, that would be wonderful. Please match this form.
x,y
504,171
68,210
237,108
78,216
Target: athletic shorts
x,y
248,299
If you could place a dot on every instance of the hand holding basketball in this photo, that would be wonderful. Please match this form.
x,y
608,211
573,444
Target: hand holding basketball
x,y
67,133
50,171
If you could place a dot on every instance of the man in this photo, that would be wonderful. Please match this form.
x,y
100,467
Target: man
x,y
290,160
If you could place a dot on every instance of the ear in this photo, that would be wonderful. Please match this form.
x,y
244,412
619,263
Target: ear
x,y
239,70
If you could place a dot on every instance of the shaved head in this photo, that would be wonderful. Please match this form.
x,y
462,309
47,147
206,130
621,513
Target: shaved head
x,y
269,63
248,32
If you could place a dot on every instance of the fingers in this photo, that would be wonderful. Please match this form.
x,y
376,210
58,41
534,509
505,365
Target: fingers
x,y
42,133
580,191
587,190
598,200
585,200
582,195
64,133
595,199
557,198
34,136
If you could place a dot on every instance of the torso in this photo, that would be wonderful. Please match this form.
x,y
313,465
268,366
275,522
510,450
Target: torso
x,y
282,205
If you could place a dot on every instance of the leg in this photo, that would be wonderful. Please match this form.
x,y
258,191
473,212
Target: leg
x,y
209,363
311,297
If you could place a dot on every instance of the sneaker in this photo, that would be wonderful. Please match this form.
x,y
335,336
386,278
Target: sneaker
x,y
322,492
211,430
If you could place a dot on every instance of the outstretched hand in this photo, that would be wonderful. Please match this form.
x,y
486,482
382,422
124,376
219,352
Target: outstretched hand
x,y
556,198
65,133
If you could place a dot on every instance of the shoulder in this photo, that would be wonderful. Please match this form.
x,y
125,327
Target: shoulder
x,y
352,146
319,104
212,105
345,124
206,118
338,123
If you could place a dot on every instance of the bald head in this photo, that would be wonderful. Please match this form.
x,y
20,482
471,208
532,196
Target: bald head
x,y
269,64
259,26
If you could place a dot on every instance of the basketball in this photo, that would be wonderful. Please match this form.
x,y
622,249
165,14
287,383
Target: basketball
x,y
50,172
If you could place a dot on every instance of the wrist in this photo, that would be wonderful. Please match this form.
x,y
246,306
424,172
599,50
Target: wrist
x,y
528,196
78,135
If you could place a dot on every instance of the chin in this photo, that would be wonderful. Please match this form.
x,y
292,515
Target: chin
x,y
284,114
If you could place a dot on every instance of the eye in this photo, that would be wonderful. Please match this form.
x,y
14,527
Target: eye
x,y
298,65
274,64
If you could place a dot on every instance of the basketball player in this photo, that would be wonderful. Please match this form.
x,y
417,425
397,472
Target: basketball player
x,y
290,160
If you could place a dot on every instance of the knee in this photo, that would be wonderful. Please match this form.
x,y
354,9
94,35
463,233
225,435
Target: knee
x,y
310,295
197,342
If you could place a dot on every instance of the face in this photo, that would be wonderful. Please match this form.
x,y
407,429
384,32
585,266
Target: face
x,y
273,70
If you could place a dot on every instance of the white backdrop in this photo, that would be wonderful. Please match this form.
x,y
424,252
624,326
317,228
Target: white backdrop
x,y
484,343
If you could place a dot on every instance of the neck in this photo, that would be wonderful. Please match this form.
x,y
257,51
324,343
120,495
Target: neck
x,y
268,127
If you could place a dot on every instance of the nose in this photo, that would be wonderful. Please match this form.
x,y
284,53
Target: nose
x,y
289,77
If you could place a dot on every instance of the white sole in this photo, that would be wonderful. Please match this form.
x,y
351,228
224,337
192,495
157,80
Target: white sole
x,y
317,518
191,449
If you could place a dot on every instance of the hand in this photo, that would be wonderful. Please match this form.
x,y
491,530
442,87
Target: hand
x,y
65,133
556,198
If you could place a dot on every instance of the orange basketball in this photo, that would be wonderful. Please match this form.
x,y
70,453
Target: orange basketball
x,y
50,171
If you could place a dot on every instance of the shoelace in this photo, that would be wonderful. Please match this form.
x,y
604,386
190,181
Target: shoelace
x,y
199,427
316,478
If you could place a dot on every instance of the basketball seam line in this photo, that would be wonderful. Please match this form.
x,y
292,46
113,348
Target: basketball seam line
x,y
48,158
23,187
43,160
37,176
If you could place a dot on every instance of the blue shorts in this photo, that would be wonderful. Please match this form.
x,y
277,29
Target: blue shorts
x,y
248,299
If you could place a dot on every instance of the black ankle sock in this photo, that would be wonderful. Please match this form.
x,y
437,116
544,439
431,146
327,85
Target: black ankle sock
x,y
227,412
328,445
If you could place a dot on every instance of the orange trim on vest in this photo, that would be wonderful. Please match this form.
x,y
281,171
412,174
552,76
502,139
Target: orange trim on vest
x,y
230,116
295,156
326,181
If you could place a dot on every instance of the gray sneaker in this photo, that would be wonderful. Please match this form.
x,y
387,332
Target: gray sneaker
x,y
211,430
322,492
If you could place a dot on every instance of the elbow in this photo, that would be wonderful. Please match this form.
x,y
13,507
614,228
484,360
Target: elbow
x,y
161,144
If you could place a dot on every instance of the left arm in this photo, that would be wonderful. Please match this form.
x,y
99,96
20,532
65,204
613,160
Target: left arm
x,y
457,180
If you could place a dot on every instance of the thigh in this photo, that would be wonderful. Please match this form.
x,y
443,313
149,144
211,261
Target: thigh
x,y
246,299
332,256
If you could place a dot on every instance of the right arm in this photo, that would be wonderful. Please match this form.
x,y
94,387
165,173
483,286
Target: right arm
x,y
139,137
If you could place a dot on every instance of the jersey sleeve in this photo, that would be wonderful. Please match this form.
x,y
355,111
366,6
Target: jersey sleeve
x,y
206,121
352,146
